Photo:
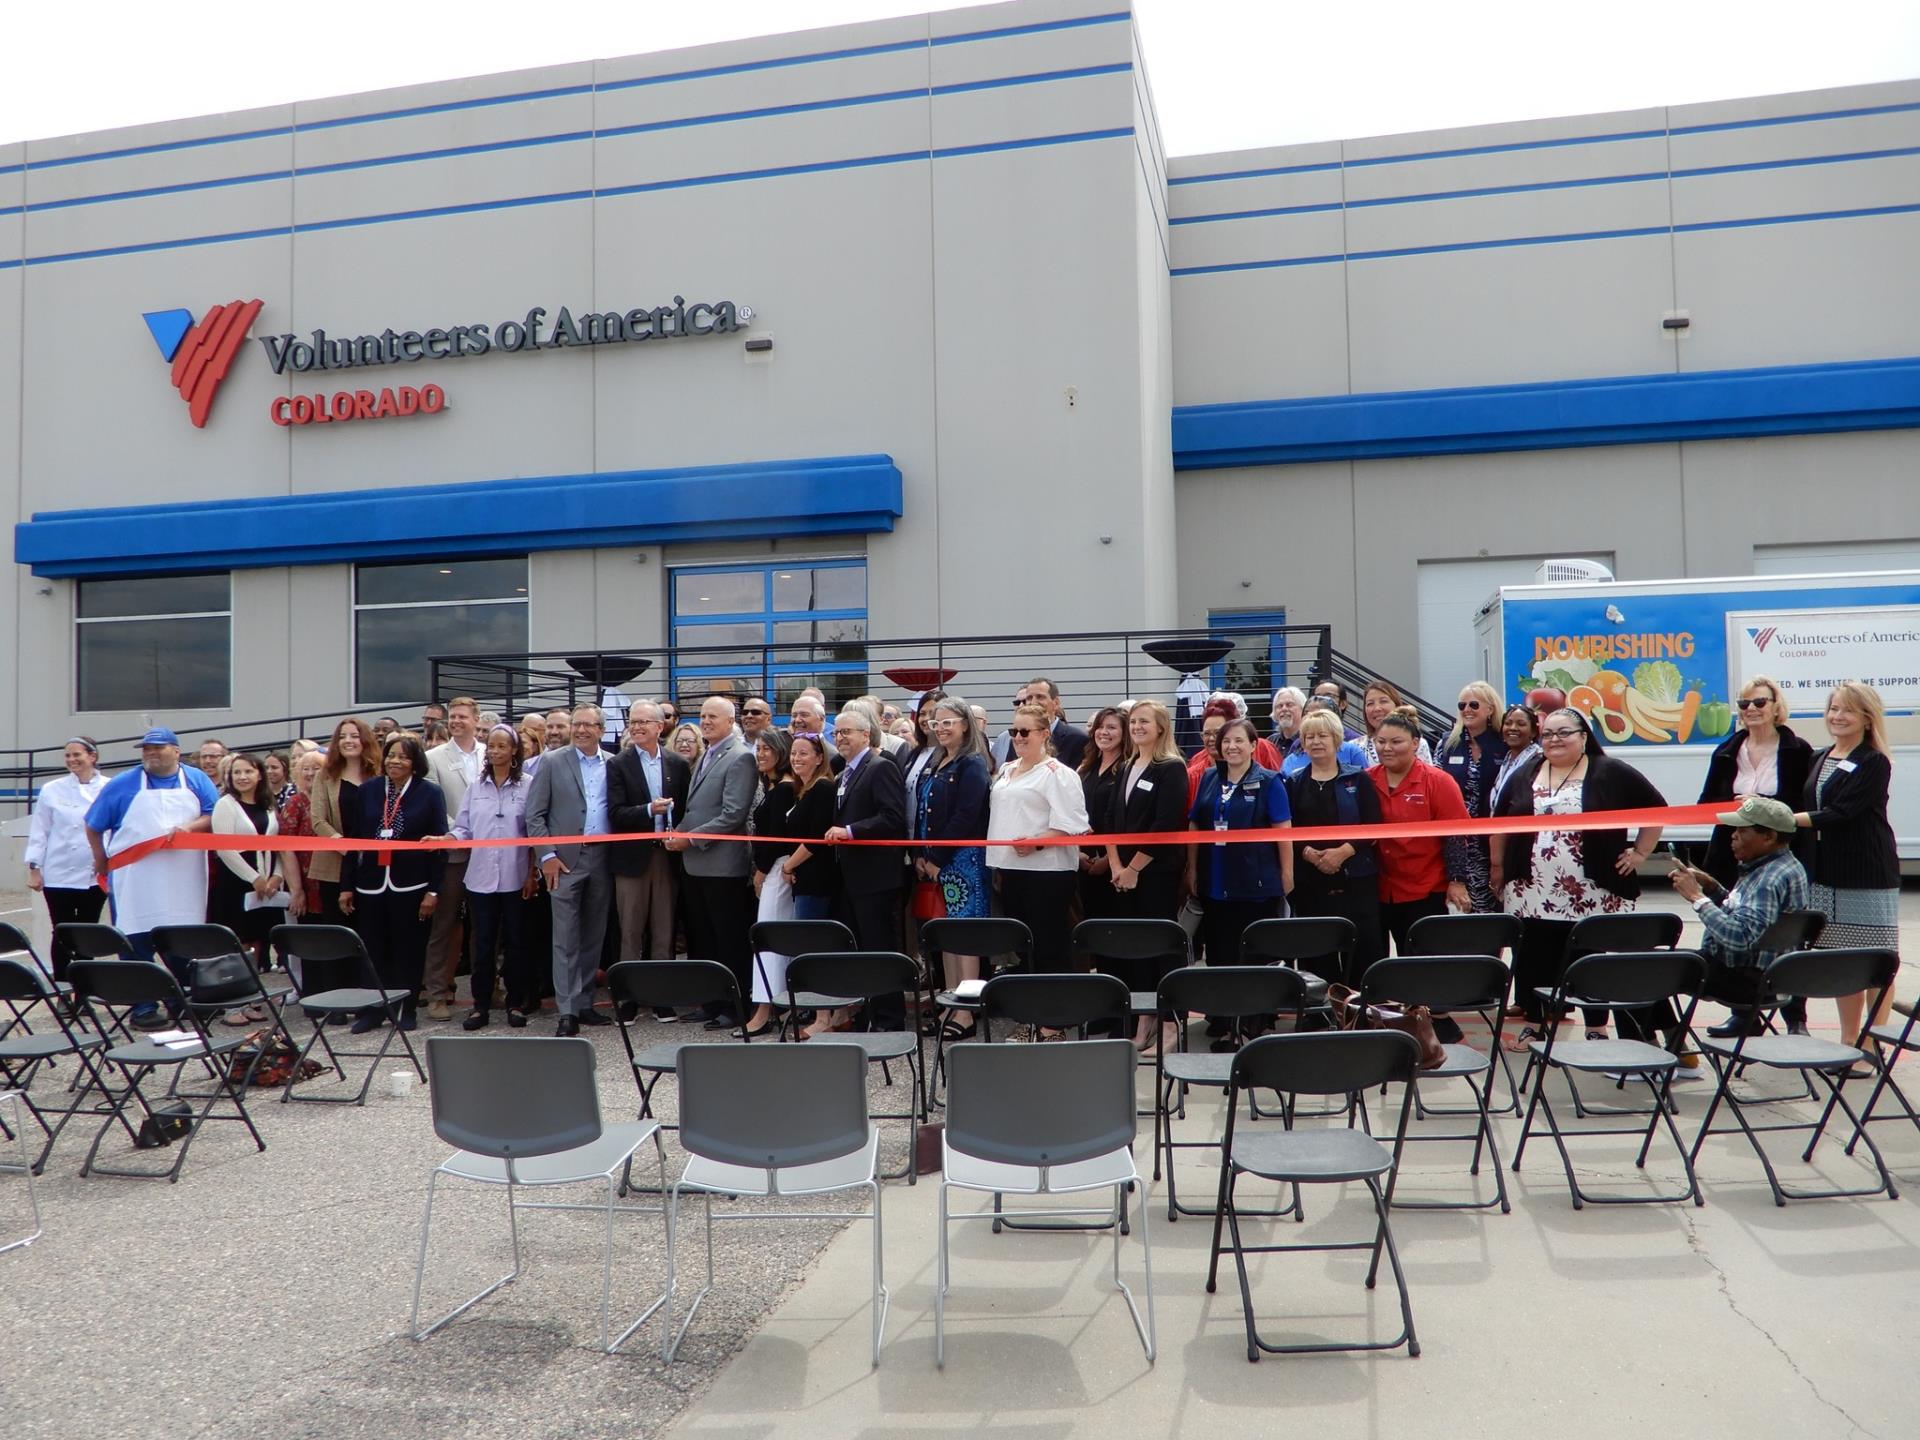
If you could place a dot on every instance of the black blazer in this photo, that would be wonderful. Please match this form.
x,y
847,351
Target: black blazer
x,y
1069,743
872,803
423,812
1609,784
771,822
809,819
1158,802
1793,763
1853,845
628,796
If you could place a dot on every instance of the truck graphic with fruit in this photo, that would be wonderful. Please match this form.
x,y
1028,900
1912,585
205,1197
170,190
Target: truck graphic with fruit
x,y
1657,666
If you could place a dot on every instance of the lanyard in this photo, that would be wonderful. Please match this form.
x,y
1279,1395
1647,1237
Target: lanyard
x,y
390,812
1227,791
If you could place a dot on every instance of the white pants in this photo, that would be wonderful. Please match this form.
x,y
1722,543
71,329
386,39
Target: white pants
x,y
769,969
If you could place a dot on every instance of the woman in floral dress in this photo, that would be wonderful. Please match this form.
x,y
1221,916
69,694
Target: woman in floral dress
x,y
1552,879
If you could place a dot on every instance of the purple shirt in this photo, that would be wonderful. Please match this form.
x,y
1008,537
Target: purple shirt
x,y
492,812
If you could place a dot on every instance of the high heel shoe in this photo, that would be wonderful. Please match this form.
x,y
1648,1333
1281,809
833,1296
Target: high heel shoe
x,y
752,1032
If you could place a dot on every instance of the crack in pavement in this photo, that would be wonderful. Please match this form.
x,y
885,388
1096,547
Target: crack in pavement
x,y
1698,1246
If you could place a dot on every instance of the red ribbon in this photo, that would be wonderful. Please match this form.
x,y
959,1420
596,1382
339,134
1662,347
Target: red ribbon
x,y
1308,834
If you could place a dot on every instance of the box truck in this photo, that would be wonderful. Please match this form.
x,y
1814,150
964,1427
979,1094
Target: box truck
x,y
1657,664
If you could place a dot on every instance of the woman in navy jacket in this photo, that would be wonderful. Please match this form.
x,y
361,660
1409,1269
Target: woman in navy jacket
x,y
1246,882
391,895
952,805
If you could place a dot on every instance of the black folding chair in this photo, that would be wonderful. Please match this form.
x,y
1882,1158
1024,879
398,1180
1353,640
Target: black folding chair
x,y
119,986
1070,1004
797,937
866,975
88,940
1743,989
1630,932
993,938
1320,949
1895,1041
18,1012
644,986
1342,1063
1814,974
1495,936
23,1051
1624,979
1229,992
220,975
1442,983
337,978
1133,943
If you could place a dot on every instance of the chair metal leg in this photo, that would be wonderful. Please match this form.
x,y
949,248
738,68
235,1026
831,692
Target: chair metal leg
x,y
420,1272
941,1263
674,1338
19,1132
1146,1333
882,1298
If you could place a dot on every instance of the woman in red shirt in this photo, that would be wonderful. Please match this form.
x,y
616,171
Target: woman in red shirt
x,y
1418,877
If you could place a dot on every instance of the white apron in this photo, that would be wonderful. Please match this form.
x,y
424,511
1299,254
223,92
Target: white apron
x,y
168,887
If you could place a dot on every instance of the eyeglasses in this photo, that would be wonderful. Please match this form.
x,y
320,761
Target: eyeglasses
x,y
1754,704
1561,734
1468,705
1022,730
756,710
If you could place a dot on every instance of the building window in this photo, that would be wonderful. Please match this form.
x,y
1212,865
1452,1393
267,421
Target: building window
x,y
162,644
771,630
406,612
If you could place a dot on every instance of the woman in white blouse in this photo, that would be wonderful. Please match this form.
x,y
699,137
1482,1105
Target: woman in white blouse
x,y
1034,796
59,860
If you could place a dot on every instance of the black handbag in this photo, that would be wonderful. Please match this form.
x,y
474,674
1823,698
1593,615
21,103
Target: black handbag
x,y
221,980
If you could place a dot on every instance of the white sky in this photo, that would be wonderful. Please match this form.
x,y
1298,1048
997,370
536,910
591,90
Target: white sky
x,y
1226,74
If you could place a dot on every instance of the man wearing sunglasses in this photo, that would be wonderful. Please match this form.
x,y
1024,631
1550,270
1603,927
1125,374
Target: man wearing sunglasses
x,y
756,718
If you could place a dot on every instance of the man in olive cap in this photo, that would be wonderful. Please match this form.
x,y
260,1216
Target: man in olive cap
x,y
1771,880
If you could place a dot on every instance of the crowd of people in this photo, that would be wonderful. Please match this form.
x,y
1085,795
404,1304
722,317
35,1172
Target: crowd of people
x,y
751,816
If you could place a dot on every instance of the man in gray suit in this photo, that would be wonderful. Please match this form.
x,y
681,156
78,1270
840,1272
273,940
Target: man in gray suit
x,y
720,904
569,797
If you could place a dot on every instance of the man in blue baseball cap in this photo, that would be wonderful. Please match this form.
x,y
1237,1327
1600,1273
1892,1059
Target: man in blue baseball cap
x,y
167,887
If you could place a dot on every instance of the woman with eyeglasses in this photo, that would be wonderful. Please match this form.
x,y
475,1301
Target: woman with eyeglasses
x,y
1762,757
923,749
1472,756
1342,878
951,804
1036,797
499,882
1101,769
1553,878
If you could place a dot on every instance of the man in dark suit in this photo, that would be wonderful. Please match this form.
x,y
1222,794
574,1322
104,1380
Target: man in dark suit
x,y
870,804
569,797
1069,741
719,873
646,792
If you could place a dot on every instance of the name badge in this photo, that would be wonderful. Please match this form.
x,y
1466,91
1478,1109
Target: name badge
x,y
1843,764
1252,786
1456,760
1148,784
386,832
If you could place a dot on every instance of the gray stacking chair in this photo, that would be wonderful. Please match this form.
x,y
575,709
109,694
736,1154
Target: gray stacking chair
x,y
338,979
14,1130
1042,1120
1818,975
1227,992
1442,983
118,986
1629,980
1339,1063
773,1121
525,1113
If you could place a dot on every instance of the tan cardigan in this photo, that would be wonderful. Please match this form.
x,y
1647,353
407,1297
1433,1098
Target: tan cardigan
x,y
327,823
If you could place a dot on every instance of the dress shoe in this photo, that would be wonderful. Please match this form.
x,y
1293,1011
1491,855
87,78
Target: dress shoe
x,y
591,1016
1735,1024
628,1012
409,1019
1797,1027
517,1019
439,1010
567,1025
362,1024
722,1021
475,1021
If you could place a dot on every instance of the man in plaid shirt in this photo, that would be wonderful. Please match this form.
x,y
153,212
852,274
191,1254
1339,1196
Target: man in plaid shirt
x,y
1771,880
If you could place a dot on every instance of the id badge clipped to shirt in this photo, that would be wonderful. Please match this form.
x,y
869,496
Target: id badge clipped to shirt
x,y
386,832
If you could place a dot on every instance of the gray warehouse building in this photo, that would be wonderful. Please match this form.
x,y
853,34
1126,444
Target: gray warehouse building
x,y
911,328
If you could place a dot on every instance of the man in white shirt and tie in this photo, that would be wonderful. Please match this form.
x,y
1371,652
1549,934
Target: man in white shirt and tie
x,y
454,767
569,797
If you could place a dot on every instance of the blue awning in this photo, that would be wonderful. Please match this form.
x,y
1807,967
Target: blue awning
x,y
763,500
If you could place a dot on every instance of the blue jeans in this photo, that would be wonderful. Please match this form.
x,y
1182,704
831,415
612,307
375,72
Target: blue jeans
x,y
142,947
813,907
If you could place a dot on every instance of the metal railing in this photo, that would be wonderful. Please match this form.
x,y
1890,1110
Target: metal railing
x,y
1091,669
